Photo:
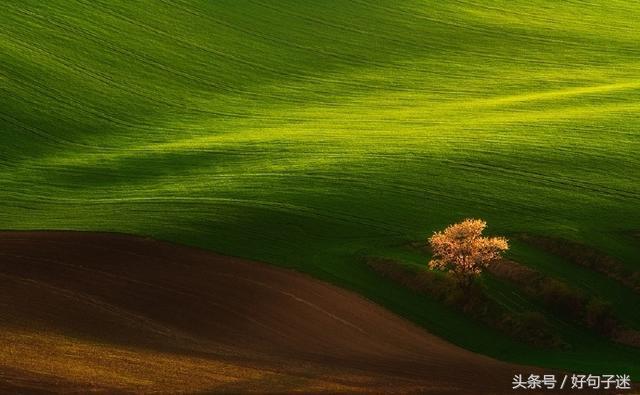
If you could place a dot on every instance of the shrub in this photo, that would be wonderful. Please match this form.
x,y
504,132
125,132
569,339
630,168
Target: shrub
x,y
599,316
563,299
588,257
532,328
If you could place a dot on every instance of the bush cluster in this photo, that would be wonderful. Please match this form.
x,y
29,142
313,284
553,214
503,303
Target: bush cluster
x,y
561,298
530,327
588,257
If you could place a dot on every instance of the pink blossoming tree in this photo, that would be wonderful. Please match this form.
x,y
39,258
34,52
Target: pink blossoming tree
x,y
463,250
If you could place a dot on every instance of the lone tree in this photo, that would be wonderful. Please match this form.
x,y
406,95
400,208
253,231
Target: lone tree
x,y
462,250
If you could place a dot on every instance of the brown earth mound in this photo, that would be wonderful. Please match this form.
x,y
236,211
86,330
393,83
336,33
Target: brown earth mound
x,y
110,313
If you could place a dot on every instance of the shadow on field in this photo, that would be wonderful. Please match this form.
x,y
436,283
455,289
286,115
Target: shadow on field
x,y
133,314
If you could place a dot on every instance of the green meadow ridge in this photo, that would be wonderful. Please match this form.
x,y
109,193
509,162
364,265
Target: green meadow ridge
x,y
309,134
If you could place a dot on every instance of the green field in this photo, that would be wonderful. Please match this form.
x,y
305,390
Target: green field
x,y
309,133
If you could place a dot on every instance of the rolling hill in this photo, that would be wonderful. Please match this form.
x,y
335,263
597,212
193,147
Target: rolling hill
x,y
312,134
123,315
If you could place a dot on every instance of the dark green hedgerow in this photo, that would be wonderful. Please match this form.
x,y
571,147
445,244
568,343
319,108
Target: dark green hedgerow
x,y
588,257
567,301
530,327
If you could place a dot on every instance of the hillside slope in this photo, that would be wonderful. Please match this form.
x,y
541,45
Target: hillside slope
x,y
308,134
115,313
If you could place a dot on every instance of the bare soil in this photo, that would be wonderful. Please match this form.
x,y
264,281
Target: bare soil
x,y
110,313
